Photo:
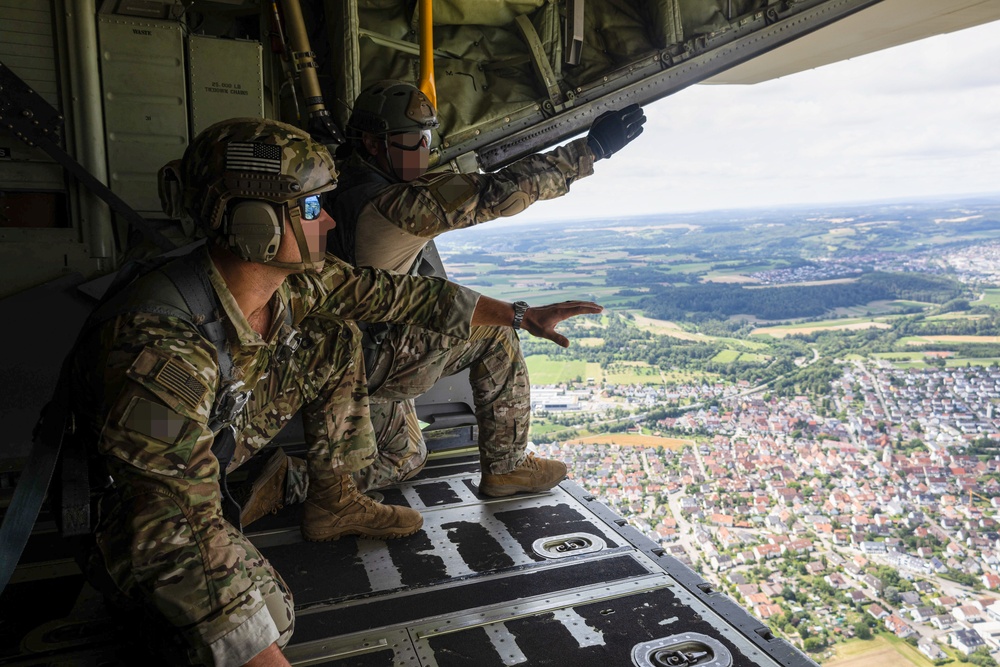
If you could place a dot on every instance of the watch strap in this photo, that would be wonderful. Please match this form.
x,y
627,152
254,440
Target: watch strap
x,y
520,307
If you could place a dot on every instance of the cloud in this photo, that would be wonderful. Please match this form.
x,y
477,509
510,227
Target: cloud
x,y
915,120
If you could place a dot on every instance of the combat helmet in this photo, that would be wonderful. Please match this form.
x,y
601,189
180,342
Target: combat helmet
x,y
235,165
391,106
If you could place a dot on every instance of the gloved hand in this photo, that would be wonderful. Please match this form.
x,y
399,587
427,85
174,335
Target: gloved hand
x,y
613,129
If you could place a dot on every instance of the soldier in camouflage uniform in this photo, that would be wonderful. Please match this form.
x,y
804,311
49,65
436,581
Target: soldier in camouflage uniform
x,y
148,381
386,210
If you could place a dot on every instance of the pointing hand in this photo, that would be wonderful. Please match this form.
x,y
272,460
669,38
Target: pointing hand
x,y
541,321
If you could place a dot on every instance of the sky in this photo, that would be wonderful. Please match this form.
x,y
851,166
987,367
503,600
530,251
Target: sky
x,y
917,120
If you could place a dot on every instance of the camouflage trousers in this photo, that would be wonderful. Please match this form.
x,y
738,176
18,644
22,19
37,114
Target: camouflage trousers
x,y
324,378
410,361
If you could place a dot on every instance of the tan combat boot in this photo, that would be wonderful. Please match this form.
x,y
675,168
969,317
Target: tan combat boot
x,y
531,476
335,508
267,493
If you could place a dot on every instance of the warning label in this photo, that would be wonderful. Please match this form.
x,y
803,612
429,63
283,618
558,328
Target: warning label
x,y
224,88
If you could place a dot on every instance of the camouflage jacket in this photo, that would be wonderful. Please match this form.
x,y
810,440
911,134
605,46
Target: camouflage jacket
x,y
144,385
393,228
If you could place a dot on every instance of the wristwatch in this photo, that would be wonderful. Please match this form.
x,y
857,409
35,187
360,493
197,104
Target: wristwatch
x,y
519,308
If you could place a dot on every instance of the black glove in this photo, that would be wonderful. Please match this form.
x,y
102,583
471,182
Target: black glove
x,y
613,129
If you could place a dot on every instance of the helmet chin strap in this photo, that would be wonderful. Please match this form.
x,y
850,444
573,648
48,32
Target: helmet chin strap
x,y
393,169
308,263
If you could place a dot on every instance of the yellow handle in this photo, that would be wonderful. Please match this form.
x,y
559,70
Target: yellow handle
x,y
427,51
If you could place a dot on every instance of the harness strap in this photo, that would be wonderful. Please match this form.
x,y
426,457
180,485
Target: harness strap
x,y
30,491
196,290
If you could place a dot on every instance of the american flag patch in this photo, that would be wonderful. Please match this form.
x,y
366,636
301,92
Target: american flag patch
x,y
175,377
251,156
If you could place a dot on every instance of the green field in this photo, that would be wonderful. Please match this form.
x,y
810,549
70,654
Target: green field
x,y
827,324
991,297
919,360
726,356
542,427
632,372
953,363
730,356
957,316
543,370
899,356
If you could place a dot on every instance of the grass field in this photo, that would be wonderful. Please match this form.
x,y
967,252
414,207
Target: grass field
x,y
956,316
944,340
539,428
962,339
588,342
674,330
729,356
991,297
899,356
882,651
823,325
919,359
726,356
543,370
951,363
666,328
632,372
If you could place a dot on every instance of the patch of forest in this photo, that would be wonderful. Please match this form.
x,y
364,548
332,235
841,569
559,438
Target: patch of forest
x,y
720,301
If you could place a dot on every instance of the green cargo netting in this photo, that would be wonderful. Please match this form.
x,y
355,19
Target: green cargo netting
x,y
498,59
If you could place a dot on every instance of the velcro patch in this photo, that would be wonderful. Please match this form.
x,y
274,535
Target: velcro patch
x,y
176,378
452,192
172,379
153,420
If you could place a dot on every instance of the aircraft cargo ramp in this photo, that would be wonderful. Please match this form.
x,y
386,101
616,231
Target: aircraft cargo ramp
x,y
548,579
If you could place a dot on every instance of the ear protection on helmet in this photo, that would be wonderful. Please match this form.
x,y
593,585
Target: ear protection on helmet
x,y
253,230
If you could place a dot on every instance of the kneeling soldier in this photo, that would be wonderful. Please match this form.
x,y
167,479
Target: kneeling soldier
x,y
189,370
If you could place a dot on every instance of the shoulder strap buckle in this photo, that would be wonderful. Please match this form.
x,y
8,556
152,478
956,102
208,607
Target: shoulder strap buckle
x,y
287,346
229,403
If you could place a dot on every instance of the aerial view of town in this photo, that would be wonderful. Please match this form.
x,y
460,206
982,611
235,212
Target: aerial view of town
x,y
803,406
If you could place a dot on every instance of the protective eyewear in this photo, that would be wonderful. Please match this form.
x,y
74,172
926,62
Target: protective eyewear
x,y
311,207
411,141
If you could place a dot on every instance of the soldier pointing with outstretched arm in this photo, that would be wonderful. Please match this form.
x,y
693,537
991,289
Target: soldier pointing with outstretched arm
x,y
193,367
387,209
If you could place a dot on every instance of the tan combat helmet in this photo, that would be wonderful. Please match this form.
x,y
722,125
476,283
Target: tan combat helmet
x,y
232,168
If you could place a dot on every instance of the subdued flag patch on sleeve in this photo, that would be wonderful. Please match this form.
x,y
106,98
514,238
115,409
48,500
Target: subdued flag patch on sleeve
x,y
178,379
153,420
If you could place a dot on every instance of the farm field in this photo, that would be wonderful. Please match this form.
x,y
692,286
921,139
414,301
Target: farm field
x,y
956,316
665,328
952,363
962,339
924,340
632,372
876,652
850,324
991,297
543,370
